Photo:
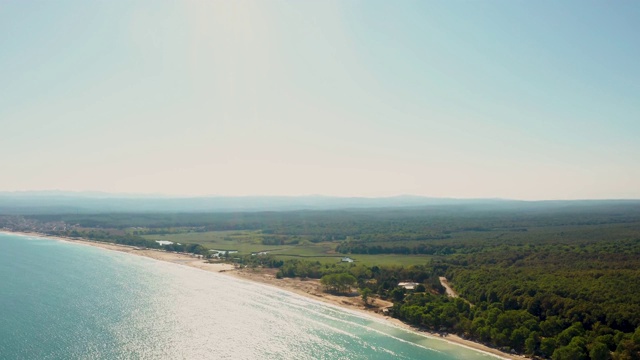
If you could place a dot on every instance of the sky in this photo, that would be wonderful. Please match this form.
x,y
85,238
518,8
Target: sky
x,y
467,99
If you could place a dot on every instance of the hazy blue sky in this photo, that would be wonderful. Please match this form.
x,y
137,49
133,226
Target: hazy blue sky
x,y
513,99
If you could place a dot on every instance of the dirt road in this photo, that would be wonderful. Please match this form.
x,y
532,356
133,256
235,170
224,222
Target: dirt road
x,y
445,283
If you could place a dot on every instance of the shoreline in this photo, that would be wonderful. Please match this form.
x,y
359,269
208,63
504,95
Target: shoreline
x,y
176,258
309,288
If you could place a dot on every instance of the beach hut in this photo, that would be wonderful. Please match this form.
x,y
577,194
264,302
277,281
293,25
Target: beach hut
x,y
409,285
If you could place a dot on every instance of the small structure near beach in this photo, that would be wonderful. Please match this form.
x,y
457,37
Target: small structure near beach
x,y
409,285
222,253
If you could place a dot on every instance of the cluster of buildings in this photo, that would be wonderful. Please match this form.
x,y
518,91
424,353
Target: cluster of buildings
x,y
20,223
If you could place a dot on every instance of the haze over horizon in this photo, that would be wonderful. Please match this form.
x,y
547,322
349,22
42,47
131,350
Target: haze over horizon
x,y
400,197
525,101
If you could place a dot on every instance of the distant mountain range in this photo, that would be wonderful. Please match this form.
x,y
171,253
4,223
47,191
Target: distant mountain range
x,y
44,202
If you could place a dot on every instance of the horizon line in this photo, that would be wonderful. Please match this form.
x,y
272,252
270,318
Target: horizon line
x,y
89,193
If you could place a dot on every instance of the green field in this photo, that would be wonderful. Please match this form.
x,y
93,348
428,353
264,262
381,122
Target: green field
x,y
244,241
247,242
369,260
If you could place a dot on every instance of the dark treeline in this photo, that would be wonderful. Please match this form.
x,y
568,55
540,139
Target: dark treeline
x,y
373,231
107,236
132,240
378,229
473,240
381,280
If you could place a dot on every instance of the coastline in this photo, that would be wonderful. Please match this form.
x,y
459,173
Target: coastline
x,y
176,258
309,288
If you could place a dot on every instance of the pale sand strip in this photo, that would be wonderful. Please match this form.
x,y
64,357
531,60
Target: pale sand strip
x,y
178,258
308,288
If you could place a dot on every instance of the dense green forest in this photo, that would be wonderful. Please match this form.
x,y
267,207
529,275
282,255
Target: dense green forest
x,y
560,282
541,299
577,303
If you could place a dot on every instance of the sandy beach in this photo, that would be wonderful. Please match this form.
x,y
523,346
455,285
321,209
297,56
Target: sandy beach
x,y
306,287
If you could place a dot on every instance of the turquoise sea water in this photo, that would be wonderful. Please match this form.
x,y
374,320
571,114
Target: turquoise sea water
x,y
61,300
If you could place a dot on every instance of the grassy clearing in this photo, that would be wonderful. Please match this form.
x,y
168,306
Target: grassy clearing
x,y
318,249
210,236
391,259
243,241
246,242
369,260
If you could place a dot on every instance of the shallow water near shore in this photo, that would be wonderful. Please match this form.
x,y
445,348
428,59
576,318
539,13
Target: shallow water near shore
x,y
61,300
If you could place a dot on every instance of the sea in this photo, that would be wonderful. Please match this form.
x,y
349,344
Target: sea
x,y
60,300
